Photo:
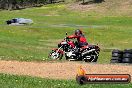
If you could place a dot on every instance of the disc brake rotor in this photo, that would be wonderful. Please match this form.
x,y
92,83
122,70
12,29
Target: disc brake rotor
x,y
54,55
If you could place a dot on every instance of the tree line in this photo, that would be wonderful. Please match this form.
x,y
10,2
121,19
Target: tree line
x,y
20,4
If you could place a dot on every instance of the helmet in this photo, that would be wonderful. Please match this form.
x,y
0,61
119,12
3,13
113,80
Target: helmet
x,y
78,32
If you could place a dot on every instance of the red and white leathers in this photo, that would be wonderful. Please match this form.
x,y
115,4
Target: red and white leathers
x,y
80,38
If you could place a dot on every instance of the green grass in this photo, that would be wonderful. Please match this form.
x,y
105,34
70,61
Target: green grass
x,y
12,81
33,42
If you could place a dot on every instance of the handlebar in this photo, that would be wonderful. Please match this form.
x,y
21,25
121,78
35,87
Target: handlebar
x,y
66,33
67,39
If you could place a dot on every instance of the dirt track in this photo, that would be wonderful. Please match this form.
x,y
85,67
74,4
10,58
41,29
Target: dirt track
x,y
60,70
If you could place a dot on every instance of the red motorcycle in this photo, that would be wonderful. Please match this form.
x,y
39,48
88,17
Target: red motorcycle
x,y
72,51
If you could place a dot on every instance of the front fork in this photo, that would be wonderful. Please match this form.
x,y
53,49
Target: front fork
x,y
57,50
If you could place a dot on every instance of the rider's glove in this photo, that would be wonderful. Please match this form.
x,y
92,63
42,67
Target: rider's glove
x,y
67,37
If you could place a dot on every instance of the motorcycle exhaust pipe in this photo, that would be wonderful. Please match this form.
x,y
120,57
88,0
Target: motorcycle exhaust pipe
x,y
88,51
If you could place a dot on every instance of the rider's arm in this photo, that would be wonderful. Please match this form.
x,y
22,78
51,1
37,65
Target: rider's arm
x,y
72,36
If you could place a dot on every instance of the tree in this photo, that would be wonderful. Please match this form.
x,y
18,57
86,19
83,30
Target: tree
x,y
98,1
18,4
90,1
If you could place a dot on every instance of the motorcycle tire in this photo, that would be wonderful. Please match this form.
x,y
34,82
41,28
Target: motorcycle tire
x,y
117,55
127,60
117,51
127,55
55,56
114,61
92,59
95,60
117,58
128,51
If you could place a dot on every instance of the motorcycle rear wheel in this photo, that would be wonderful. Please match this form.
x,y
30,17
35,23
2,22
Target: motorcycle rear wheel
x,y
93,58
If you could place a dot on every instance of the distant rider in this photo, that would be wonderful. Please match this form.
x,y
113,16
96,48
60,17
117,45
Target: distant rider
x,y
81,40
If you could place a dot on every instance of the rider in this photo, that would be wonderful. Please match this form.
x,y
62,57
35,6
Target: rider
x,y
80,38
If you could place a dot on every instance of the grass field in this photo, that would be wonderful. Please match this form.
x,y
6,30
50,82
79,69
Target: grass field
x,y
33,42
12,81
110,30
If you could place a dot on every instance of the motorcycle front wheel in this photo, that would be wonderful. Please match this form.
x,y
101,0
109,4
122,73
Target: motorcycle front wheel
x,y
55,55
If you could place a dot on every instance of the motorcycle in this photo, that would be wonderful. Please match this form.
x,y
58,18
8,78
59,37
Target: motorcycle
x,y
73,52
